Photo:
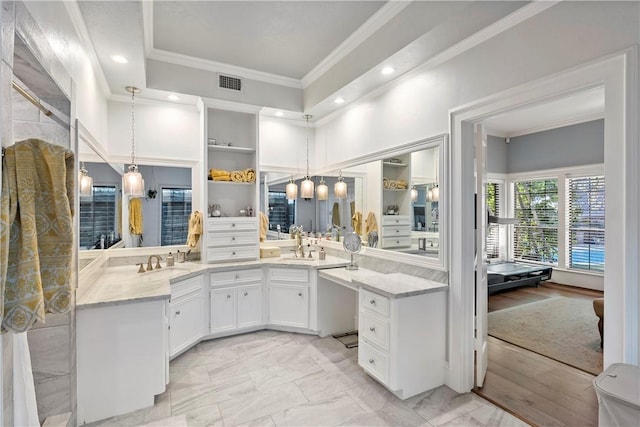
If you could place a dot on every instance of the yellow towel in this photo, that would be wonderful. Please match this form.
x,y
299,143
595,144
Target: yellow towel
x,y
335,214
237,176
36,248
371,224
222,178
195,229
356,222
264,226
135,216
250,175
217,172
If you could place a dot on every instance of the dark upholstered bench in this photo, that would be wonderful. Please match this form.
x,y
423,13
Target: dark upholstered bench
x,y
598,308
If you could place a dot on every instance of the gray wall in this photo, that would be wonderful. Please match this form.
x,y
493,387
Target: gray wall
x,y
497,155
581,144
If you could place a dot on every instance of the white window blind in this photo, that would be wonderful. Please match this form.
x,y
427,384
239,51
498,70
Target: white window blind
x,y
535,237
586,222
176,210
97,215
493,234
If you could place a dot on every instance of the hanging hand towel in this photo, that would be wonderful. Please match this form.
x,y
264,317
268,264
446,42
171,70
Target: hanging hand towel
x,y
264,226
335,214
36,248
371,224
195,229
356,222
135,216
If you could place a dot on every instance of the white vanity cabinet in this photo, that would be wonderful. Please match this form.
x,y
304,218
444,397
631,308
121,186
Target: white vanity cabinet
x,y
232,239
396,231
289,297
186,314
236,301
402,340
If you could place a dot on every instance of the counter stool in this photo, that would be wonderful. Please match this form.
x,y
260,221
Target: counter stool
x,y
598,308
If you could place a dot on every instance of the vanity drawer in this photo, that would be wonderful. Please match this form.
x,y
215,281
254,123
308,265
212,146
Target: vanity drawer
x,y
232,253
289,275
397,242
232,224
392,231
374,362
185,286
374,302
231,239
236,277
374,329
396,220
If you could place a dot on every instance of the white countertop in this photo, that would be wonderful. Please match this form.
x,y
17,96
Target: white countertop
x,y
393,285
124,285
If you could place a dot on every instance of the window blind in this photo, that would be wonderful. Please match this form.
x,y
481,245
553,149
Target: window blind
x,y
97,215
281,211
176,210
493,234
535,237
586,223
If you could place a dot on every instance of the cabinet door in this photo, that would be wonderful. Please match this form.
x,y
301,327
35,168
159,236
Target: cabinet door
x,y
249,305
289,305
223,309
185,321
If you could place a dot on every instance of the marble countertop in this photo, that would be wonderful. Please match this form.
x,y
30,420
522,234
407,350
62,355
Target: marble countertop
x,y
124,285
393,285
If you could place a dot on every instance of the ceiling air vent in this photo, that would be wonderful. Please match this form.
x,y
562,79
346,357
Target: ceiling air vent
x,y
228,82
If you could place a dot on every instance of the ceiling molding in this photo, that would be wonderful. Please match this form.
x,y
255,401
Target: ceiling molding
x,y
83,34
219,67
147,26
554,125
524,13
366,30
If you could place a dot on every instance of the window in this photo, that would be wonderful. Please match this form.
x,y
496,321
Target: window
x,y
494,232
176,209
585,223
535,237
97,216
282,211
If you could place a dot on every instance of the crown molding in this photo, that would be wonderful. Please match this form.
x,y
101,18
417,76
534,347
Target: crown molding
x,y
366,30
219,67
85,40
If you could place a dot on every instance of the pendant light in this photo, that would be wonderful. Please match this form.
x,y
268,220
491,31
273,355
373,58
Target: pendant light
x,y
414,194
322,190
291,190
340,188
434,193
307,186
85,183
133,183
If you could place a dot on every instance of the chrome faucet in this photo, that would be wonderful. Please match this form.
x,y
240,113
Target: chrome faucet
x,y
158,259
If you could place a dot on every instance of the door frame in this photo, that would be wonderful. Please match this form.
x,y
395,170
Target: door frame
x,y
618,74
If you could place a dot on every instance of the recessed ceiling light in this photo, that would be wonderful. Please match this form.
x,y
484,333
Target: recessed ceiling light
x,y
338,100
387,70
279,113
173,97
120,59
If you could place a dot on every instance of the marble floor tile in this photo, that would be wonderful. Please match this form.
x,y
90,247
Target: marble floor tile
x,y
329,412
181,377
442,404
204,416
394,414
175,421
189,398
260,403
259,422
265,379
323,385
486,415
160,410
371,396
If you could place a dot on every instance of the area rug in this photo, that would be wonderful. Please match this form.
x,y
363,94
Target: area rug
x,y
564,329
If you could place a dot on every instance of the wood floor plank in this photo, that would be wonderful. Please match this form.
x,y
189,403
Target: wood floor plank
x,y
539,390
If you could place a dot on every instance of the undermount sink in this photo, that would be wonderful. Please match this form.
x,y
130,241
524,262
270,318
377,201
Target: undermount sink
x,y
164,272
292,258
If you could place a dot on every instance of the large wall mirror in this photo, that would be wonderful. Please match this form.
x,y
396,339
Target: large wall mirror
x,y
104,220
404,184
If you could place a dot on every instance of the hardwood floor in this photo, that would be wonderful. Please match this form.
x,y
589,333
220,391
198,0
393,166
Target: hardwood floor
x,y
536,389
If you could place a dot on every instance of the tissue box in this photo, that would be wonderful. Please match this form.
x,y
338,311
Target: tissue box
x,y
269,252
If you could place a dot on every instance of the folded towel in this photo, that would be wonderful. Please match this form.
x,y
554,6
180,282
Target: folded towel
x,y
237,176
195,229
250,174
217,172
222,178
135,216
264,226
36,239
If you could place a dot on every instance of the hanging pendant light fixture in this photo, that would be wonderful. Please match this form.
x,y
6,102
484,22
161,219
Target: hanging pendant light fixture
x,y
307,186
322,190
85,183
340,188
133,184
414,194
434,193
291,190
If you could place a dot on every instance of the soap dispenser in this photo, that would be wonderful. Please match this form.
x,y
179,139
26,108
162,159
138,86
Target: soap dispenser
x,y
322,254
170,260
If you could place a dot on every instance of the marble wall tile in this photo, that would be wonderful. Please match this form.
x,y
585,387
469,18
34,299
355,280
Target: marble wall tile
x,y
52,396
51,133
7,379
53,319
23,110
50,352
189,398
7,19
6,118
330,412
259,404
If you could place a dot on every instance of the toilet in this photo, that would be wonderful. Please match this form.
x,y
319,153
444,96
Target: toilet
x,y
618,391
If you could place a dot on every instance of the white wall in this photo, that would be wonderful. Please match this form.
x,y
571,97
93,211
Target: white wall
x,y
283,146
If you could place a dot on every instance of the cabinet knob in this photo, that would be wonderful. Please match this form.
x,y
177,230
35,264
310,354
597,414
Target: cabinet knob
x,y
233,253
228,296
237,275
372,302
233,225
397,231
372,361
372,328
299,294
233,239
177,312
246,293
